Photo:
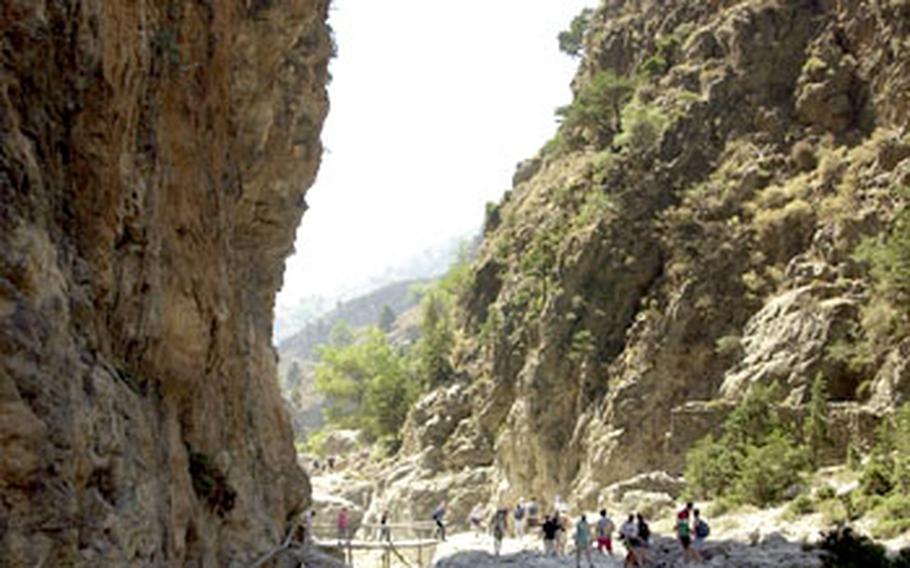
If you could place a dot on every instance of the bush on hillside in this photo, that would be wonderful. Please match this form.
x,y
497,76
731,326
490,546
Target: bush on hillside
x,y
754,461
571,41
597,110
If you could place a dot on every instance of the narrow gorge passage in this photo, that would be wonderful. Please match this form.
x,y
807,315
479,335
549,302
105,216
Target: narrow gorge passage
x,y
692,288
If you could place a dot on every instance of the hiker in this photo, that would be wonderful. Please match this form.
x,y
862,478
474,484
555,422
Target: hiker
x,y
475,518
562,535
702,530
498,528
605,528
533,514
644,540
438,517
519,516
684,535
385,531
549,529
342,522
583,542
308,527
628,533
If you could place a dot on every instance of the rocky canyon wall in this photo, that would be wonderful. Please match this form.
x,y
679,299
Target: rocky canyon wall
x,y
638,278
154,157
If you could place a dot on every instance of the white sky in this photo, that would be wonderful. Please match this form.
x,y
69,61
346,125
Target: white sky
x,y
433,104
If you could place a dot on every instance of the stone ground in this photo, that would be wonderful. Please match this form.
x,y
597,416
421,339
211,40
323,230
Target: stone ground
x,y
468,550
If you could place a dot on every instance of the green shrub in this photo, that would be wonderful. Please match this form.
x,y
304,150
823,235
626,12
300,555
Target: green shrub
x,y
754,461
597,109
769,470
641,124
894,516
571,41
845,549
802,505
815,426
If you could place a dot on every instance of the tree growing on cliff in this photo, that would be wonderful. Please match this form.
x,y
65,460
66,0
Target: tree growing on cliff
x,y
755,460
368,385
815,427
597,108
571,41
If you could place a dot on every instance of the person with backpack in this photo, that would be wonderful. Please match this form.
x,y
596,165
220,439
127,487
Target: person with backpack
x,y
684,535
583,542
438,517
549,529
533,513
628,533
519,516
605,528
702,530
498,528
644,541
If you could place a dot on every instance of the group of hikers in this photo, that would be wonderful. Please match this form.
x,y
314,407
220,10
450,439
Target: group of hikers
x,y
690,528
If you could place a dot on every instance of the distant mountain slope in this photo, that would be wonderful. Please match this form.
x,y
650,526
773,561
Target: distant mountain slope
x,y
359,312
301,349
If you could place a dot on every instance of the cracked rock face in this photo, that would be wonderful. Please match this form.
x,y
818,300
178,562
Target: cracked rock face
x,y
153,162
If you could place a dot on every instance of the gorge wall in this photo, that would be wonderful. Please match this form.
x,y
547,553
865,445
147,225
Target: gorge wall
x,y
154,156
654,261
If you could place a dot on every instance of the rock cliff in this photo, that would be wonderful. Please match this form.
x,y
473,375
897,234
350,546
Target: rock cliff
x,y
690,231
153,163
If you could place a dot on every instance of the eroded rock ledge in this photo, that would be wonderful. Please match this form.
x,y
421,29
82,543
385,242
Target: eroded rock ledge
x,y
153,162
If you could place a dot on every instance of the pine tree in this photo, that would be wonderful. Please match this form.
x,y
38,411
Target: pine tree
x,y
815,426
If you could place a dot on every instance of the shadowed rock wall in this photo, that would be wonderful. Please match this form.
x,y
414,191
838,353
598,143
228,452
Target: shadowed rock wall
x,y
154,156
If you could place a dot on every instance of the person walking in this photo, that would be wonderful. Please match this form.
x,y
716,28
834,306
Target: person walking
x,y
385,531
549,529
644,540
533,513
308,537
439,518
605,528
519,516
684,536
562,535
342,523
701,530
498,528
628,532
583,542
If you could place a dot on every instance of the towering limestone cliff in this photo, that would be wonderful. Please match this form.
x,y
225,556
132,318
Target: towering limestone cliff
x,y
691,231
153,161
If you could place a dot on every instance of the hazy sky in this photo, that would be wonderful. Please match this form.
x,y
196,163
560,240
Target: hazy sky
x,y
433,104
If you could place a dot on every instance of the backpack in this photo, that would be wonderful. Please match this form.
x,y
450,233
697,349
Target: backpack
x,y
682,527
702,530
644,531
438,513
519,512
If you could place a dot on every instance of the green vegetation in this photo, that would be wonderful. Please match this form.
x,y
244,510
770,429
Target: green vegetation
x,y
754,461
597,108
386,319
294,377
571,41
846,549
815,427
889,263
367,385
663,58
642,125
